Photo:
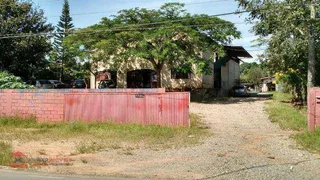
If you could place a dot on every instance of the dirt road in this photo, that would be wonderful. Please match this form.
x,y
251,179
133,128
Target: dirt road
x,y
245,145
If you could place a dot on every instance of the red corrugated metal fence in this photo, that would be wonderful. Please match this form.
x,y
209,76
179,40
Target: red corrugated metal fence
x,y
166,109
314,108
125,106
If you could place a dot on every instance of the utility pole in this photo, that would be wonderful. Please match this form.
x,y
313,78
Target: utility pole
x,y
311,53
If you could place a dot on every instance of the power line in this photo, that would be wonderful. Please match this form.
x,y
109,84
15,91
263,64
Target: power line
x,y
101,12
6,36
121,28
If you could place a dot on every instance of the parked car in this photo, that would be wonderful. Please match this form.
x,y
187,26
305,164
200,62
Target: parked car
x,y
105,84
78,83
240,90
41,83
57,84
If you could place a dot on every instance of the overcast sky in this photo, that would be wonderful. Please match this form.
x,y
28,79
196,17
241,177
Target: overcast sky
x,y
81,9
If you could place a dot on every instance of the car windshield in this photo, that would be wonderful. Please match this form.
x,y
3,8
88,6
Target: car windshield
x,y
44,82
239,87
108,82
80,81
56,82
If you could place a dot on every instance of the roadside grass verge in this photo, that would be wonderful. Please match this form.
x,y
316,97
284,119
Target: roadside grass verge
x,y
309,140
5,153
281,111
92,137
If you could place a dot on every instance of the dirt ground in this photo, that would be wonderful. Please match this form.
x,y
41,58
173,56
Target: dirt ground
x,y
245,145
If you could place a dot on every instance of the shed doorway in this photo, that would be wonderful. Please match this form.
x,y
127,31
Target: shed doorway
x,y
143,78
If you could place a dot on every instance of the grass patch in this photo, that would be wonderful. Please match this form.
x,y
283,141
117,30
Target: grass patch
x,y
309,140
103,135
282,97
84,148
5,153
289,117
84,161
286,116
283,113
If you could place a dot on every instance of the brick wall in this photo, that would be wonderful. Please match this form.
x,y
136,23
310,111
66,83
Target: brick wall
x,y
44,105
171,109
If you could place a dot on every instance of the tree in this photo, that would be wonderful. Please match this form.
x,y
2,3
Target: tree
x,y
245,67
252,73
167,36
23,56
62,59
291,28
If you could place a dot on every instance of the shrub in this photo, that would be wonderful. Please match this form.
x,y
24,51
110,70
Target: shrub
x,y
9,81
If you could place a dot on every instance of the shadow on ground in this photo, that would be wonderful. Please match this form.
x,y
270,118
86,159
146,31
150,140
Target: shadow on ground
x,y
233,100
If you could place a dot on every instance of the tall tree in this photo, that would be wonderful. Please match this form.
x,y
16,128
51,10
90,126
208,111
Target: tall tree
x,y
293,27
252,73
62,57
22,54
167,36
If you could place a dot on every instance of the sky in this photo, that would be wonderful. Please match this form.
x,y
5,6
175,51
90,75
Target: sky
x,y
89,12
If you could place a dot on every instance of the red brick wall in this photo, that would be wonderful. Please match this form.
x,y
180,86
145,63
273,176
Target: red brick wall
x,y
50,105
44,105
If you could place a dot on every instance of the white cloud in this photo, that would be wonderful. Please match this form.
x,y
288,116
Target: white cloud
x,y
254,54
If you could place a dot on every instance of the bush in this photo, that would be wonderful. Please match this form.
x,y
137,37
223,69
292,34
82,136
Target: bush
x,y
9,81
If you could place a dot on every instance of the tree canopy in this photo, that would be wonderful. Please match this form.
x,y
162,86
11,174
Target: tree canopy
x,y
23,56
166,36
284,26
252,73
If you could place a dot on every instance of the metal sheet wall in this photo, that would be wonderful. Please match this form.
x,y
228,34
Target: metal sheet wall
x,y
314,108
165,109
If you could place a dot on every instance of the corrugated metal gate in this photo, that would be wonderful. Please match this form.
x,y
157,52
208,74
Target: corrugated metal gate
x,y
314,108
166,109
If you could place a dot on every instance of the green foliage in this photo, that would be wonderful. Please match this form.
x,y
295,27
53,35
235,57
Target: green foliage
x,y
5,153
63,60
245,67
286,116
282,112
252,73
9,81
161,39
309,140
25,56
288,22
281,97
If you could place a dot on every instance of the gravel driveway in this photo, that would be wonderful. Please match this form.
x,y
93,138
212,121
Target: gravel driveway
x,y
245,145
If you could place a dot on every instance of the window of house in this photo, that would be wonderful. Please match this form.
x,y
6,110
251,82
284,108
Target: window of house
x,y
175,74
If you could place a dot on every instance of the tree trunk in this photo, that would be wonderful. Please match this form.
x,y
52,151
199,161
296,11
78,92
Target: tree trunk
x,y
305,95
311,53
158,71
